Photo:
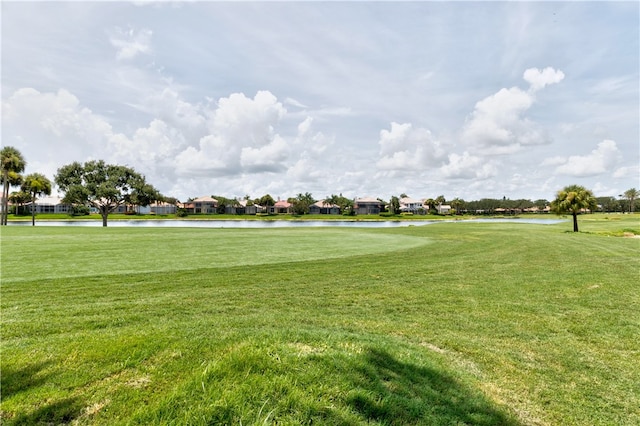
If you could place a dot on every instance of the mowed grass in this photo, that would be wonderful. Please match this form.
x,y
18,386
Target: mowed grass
x,y
451,323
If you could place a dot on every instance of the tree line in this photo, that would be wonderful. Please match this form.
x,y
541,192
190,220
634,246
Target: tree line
x,y
107,186
94,183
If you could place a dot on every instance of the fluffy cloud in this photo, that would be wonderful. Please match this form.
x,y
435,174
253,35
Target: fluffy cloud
x,y
241,138
627,172
151,148
497,125
539,79
169,107
268,158
54,128
467,166
601,160
407,148
130,43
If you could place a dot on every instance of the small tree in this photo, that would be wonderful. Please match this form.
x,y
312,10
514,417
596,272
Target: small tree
x,y
266,201
103,186
573,199
631,195
12,163
345,204
19,199
457,204
431,205
301,203
394,205
36,184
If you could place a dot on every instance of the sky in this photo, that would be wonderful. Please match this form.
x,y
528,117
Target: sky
x,y
467,100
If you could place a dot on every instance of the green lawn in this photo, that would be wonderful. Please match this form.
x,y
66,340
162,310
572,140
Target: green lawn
x,y
450,323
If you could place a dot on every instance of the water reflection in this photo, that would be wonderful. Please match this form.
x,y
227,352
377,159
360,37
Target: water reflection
x,y
195,223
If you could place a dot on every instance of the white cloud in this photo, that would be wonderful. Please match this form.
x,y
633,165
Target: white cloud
x,y
539,79
405,148
53,128
269,158
130,43
151,149
295,103
497,125
467,166
170,107
304,170
632,172
241,138
303,128
601,160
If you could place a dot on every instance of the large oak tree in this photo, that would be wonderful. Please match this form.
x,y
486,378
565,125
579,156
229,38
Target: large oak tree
x,y
103,186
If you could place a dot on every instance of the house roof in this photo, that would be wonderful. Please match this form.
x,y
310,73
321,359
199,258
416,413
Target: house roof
x,y
282,203
322,204
205,199
51,200
408,200
367,200
160,204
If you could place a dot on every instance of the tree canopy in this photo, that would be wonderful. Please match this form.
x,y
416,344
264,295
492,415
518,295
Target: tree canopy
x,y
11,164
573,199
103,186
36,184
301,203
631,195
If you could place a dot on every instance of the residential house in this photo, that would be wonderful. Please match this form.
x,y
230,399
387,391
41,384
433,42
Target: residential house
x,y
50,205
409,205
322,207
281,207
536,209
367,205
443,208
242,207
162,208
207,205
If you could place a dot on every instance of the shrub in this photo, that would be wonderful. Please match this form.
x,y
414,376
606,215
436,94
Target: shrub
x,y
79,210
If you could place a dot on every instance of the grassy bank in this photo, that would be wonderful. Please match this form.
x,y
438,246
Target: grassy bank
x,y
452,323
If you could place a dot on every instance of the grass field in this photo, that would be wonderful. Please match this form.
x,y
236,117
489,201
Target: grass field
x,y
449,323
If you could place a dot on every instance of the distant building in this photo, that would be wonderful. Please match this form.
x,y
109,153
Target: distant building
x,y
367,205
443,208
321,207
50,205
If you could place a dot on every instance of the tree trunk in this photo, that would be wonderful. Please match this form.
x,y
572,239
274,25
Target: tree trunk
x,y
104,211
33,211
5,195
575,222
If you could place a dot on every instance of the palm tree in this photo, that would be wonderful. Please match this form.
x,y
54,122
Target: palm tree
x,y
573,199
431,204
11,161
36,184
457,204
631,195
19,199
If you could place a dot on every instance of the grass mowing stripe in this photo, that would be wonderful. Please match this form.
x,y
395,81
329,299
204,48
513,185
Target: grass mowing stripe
x,y
77,252
488,324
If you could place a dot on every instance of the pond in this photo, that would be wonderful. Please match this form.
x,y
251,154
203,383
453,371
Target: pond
x,y
176,223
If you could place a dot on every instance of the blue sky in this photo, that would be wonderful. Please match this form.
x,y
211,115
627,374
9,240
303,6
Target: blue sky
x,y
462,99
